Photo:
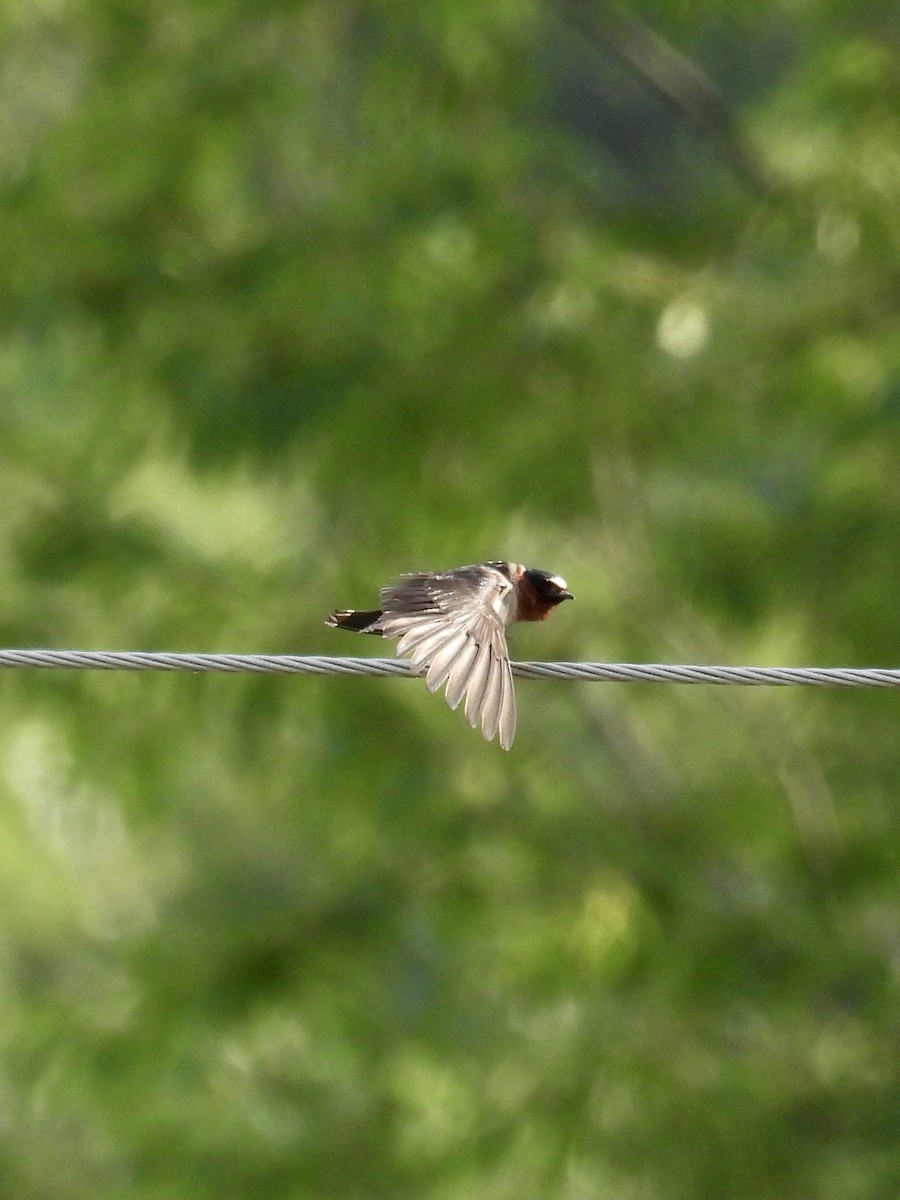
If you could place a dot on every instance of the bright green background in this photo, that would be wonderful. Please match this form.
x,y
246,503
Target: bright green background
x,y
295,298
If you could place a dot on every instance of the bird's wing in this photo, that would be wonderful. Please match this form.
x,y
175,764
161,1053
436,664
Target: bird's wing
x,y
453,627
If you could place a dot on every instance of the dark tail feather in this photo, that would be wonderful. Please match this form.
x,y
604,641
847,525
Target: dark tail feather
x,y
351,618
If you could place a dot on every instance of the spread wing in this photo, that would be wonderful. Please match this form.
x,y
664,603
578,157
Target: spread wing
x,y
453,626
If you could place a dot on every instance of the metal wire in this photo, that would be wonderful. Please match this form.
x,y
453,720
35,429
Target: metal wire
x,y
306,664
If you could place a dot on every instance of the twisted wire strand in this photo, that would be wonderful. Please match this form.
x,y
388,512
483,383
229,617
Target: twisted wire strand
x,y
307,664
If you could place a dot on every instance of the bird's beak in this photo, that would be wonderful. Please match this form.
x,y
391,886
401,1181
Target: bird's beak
x,y
566,596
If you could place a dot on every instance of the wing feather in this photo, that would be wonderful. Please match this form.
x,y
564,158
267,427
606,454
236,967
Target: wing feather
x,y
417,633
477,683
461,672
428,647
490,700
507,707
443,659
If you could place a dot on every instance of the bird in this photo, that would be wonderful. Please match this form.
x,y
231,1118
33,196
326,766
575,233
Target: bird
x,y
452,627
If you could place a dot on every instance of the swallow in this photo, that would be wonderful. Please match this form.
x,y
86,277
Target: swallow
x,y
452,627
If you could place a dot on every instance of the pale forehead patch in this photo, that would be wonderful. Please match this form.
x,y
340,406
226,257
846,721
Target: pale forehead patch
x,y
558,581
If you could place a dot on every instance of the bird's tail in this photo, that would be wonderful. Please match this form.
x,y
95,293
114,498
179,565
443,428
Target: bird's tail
x,y
355,619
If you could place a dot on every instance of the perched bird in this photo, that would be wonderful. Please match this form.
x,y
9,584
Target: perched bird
x,y
452,626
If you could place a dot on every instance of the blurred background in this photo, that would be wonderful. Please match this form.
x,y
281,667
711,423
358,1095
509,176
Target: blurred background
x,y
297,297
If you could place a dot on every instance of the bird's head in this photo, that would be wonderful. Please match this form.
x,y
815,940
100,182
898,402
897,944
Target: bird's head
x,y
541,592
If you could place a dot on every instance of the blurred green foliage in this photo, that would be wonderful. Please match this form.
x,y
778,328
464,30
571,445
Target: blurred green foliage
x,y
297,297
